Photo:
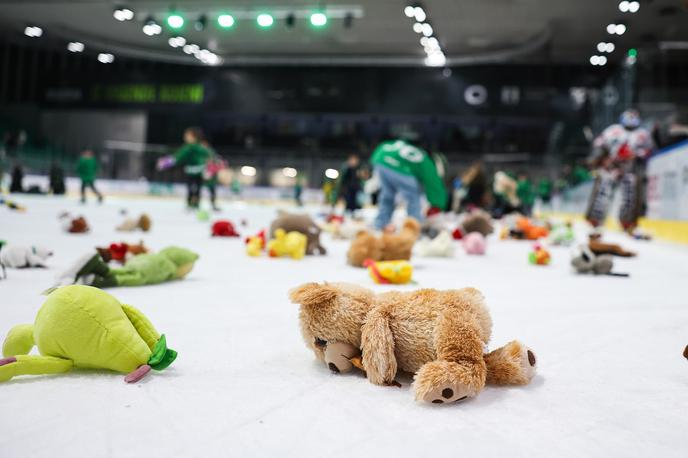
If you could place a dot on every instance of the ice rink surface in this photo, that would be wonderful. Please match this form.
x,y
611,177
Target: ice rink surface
x,y
611,382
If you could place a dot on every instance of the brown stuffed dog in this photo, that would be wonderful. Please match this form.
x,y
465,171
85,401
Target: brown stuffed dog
x,y
387,247
438,335
303,224
72,225
598,247
130,224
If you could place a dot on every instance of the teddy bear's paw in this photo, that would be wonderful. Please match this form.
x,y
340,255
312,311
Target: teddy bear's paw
x,y
512,364
441,382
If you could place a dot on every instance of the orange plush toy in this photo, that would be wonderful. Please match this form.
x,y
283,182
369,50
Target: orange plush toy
x,y
525,229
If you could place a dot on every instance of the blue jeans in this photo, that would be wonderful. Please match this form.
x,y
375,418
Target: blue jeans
x,y
391,184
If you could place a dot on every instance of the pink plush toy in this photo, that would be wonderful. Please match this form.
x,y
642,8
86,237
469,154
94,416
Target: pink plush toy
x,y
474,243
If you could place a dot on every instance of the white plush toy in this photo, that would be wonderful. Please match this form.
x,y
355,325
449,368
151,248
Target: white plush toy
x,y
441,246
17,256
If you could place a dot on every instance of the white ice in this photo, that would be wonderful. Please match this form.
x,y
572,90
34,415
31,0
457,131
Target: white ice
x,y
611,382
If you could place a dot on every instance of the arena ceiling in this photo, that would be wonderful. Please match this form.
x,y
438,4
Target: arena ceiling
x,y
370,32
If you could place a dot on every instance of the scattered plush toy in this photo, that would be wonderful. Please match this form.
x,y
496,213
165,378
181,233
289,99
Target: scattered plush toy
x,y
292,244
72,225
19,257
12,205
223,228
348,229
539,256
562,235
585,261
474,243
477,220
387,247
457,234
598,247
121,252
389,272
442,246
255,244
528,230
84,327
203,215
291,222
438,335
143,223
171,263
685,352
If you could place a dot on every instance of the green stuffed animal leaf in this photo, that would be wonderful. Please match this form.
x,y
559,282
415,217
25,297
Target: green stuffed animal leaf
x,y
162,357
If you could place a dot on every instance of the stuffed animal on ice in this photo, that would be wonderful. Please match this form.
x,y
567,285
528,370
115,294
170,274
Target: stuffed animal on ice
x,y
291,222
19,256
562,235
255,244
525,229
347,230
440,336
143,223
121,252
474,243
598,247
389,272
477,220
84,327
12,205
442,246
585,261
291,244
223,228
77,225
539,256
387,247
171,263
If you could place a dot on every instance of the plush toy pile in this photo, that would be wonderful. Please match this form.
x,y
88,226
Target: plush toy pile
x,y
439,336
121,252
303,224
84,327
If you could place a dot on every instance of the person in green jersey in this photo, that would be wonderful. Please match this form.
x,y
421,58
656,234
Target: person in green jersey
x,y
87,168
525,193
406,170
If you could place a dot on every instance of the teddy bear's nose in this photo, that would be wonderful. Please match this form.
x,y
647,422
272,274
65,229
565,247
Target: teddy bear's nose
x,y
333,368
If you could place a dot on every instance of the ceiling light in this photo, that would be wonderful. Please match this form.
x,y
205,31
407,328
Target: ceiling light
x,y
595,60
333,174
151,27
418,27
33,31
610,47
248,171
620,29
409,11
602,60
601,46
427,29
175,20
624,6
191,49
106,58
318,19
177,42
265,20
436,60
289,172
75,46
123,13
633,7
225,20
420,14
611,29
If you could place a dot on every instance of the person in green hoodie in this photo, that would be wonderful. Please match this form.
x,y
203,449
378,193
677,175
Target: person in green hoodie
x,y
407,170
525,193
194,157
87,168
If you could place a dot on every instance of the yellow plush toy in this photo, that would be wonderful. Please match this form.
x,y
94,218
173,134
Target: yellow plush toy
x,y
291,244
85,327
389,272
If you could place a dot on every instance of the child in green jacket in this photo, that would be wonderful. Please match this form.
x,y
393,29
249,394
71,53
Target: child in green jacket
x,y
87,168
407,170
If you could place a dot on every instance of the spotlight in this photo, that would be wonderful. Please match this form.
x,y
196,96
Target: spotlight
x,y
75,46
265,20
602,60
601,46
632,52
289,172
611,29
427,29
436,60
610,47
151,27
595,60
424,41
191,49
624,6
290,20
106,58
418,27
318,19
333,174
122,13
225,21
175,20
33,31
633,7
409,11
177,42
200,23
248,171
620,29
419,14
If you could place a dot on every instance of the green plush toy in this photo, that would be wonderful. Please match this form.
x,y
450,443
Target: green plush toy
x,y
171,263
85,327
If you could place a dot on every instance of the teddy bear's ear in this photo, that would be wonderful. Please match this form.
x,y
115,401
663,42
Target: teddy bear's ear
x,y
313,294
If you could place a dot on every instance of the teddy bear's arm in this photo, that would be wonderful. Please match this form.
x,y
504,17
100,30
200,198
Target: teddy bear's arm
x,y
378,348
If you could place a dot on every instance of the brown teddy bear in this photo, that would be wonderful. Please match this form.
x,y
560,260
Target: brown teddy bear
x,y
440,336
291,222
387,247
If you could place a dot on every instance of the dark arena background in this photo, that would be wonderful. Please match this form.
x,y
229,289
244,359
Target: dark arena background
x,y
269,184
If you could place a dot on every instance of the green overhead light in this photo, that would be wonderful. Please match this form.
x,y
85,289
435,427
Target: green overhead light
x,y
225,21
175,20
632,52
318,19
265,20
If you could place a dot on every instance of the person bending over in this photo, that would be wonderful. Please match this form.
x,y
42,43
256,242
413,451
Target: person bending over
x,y
194,157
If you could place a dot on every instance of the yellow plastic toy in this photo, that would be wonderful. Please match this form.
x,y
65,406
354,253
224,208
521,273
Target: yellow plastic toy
x,y
389,272
292,244
85,327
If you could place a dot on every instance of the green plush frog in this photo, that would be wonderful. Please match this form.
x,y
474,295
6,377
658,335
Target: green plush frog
x,y
85,327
